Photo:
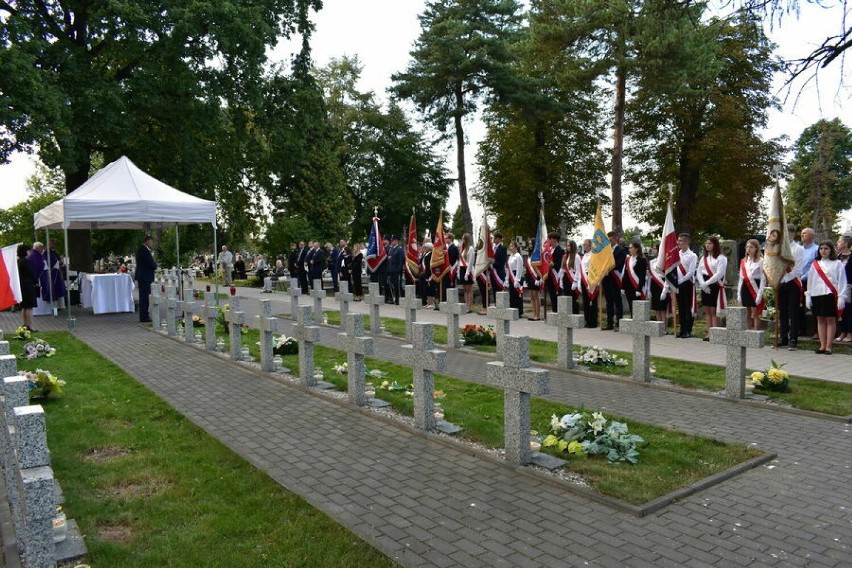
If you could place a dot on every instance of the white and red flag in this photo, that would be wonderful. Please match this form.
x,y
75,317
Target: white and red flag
x,y
668,257
10,283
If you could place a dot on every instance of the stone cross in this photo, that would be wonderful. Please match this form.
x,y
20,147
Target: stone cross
x,y
344,297
642,329
236,319
210,312
306,335
453,309
519,381
171,311
357,347
268,325
565,321
736,337
409,304
374,300
501,312
294,291
317,294
154,307
8,366
425,360
188,309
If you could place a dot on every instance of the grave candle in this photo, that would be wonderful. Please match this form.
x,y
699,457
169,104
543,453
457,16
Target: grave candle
x,y
198,336
278,362
535,446
220,345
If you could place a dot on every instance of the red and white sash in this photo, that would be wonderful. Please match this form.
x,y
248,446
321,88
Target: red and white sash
x,y
798,282
721,301
832,288
462,263
752,286
618,276
591,294
514,281
630,267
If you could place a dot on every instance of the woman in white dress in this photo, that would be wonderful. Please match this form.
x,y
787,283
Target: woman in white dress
x,y
826,294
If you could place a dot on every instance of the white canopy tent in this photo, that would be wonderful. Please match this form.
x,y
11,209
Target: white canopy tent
x,y
121,196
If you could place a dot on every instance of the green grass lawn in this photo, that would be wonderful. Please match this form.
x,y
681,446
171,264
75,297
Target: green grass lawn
x,y
150,489
807,394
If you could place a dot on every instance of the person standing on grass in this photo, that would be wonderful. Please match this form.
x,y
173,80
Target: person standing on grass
x,y
826,294
791,296
145,268
28,279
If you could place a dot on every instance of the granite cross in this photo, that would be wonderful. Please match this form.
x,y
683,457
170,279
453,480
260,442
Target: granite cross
x,y
356,347
236,319
518,381
409,304
294,291
501,312
642,329
344,297
154,307
306,335
453,309
317,294
736,337
210,312
565,321
171,311
425,360
374,300
268,325
188,309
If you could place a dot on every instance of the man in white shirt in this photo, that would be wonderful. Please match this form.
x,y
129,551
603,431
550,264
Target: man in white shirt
x,y
226,263
810,248
686,285
791,296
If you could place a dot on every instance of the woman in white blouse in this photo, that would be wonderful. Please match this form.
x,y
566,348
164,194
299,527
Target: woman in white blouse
x,y
826,294
711,282
752,283
515,276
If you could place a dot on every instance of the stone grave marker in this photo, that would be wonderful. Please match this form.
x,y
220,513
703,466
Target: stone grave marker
x,y
8,364
357,346
453,309
236,319
154,307
409,304
642,329
294,291
171,311
188,310
318,294
565,321
268,325
344,297
422,356
306,335
501,312
374,300
210,312
737,338
518,381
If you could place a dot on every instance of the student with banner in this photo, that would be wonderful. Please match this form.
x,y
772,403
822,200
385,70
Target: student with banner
x,y
601,260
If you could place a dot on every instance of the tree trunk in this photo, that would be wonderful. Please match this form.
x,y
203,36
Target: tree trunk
x,y
79,241
457,120
689,175
618,147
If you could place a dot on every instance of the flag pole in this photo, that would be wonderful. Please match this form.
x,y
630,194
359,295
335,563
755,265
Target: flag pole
x,y
543,277
777,320
673,298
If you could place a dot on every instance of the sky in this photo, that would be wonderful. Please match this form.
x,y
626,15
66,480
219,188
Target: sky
x,y
382,32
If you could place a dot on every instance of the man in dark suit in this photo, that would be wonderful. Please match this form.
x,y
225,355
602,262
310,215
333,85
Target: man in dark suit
x,y
317,260
145,267
612,283
302,266
498,269
334,265
395,262
556,255
453,256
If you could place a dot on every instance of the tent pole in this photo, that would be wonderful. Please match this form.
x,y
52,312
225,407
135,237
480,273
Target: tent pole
x,y
53,307
179,271
72,323
213,260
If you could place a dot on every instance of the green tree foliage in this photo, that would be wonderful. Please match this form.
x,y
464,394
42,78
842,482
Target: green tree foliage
x,y
702,97
461,58
173,87
385,162
16,223
821,186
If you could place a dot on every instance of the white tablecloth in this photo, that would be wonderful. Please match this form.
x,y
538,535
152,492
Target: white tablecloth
x,y
107,293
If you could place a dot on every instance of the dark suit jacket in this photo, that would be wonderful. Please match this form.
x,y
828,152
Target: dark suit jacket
x,y
145,265
500,258
317,264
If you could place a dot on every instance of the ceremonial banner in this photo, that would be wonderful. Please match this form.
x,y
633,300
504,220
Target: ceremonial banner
x,y
440,264
412,258
778,256
542,254
484,249
10,283
668,257
376,253
602,258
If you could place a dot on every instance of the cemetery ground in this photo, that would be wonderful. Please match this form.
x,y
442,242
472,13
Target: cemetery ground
x,y
683,533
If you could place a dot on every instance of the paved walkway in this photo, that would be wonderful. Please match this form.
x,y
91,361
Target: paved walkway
x,y
426,504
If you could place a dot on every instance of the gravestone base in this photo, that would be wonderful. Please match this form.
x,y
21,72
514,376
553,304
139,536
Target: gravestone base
x,y
546,461
374,402
323,385
447,427
73,547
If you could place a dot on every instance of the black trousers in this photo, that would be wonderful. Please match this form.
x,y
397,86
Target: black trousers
x,y
612,294
789,313
144,299
685,293
516,299
590,311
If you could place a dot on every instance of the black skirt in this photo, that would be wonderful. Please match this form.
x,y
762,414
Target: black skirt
x,y
824,306
710,300
657,304
746,299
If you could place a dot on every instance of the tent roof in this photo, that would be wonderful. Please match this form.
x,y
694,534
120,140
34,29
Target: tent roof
x,y
121,196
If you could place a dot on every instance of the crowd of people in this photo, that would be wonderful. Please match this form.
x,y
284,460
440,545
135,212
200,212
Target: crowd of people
x,y
41,275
